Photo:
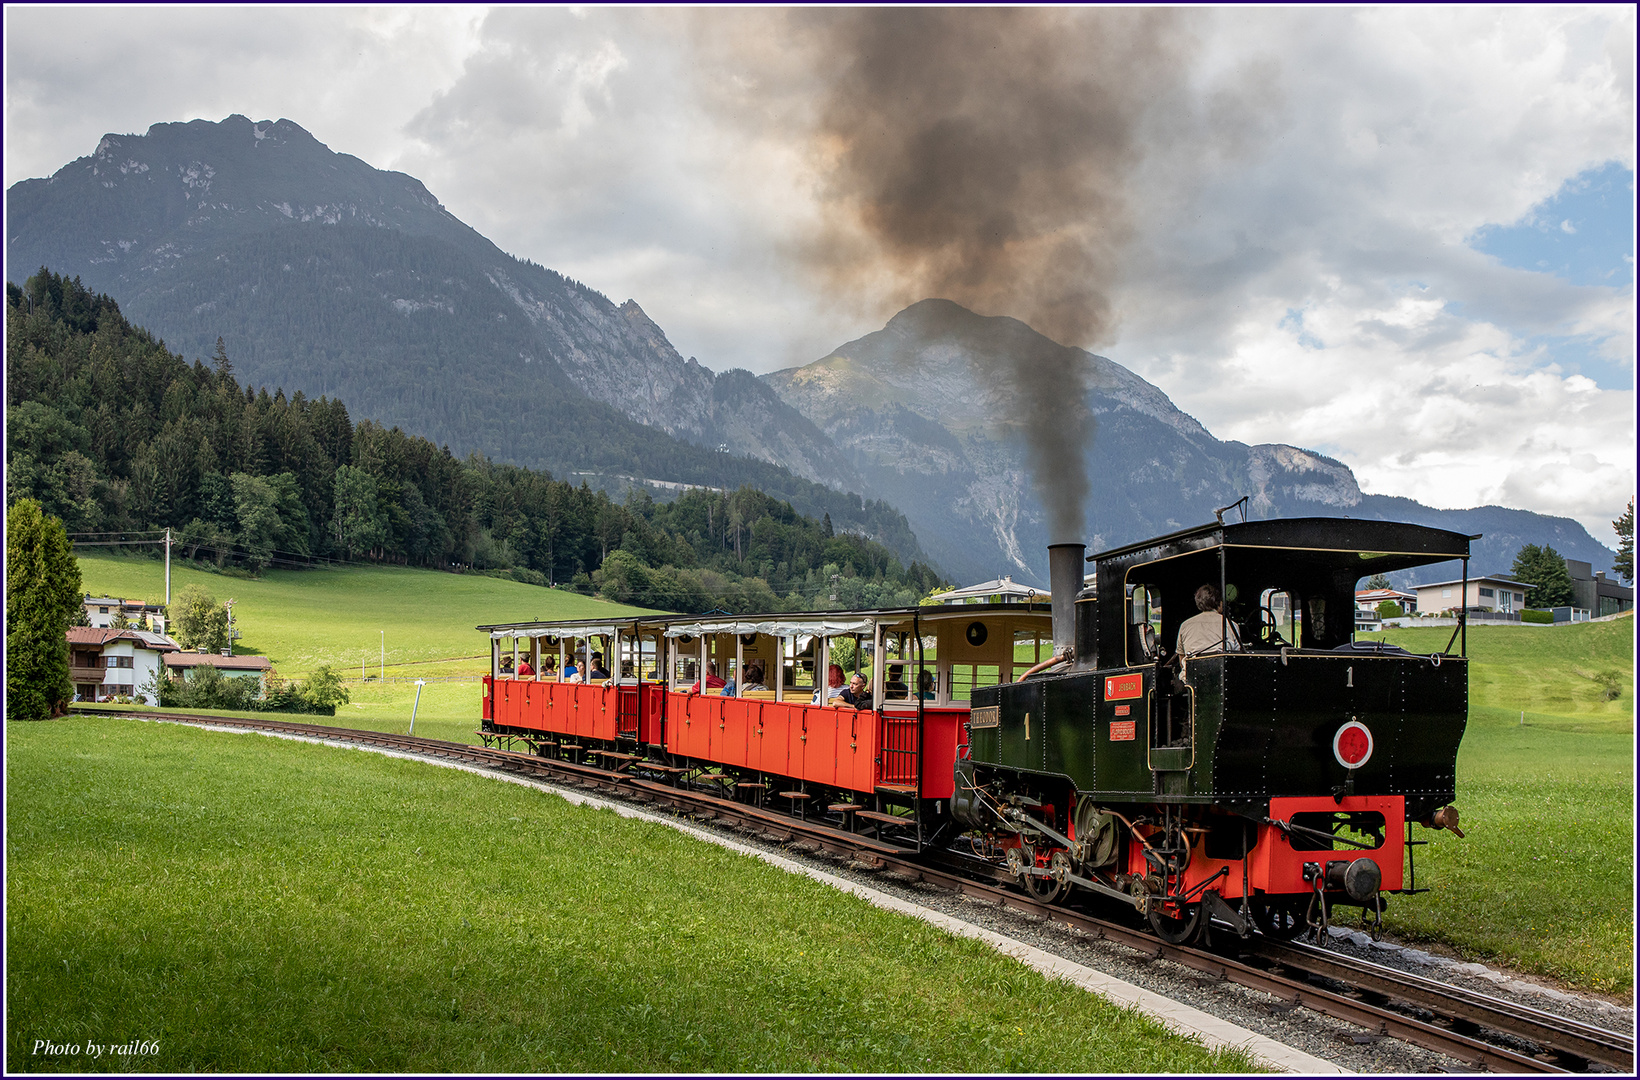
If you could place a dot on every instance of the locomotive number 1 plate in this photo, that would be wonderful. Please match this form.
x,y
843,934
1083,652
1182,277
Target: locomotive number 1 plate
x,y
985,717
1118,687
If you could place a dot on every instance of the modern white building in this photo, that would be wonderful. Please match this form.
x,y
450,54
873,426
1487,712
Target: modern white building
x,y
105,663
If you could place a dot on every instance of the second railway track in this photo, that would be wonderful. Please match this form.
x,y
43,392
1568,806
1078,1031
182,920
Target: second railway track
x,y
1486,1033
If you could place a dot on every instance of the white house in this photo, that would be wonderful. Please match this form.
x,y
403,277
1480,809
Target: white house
x,y
1485,594
106,663
101,611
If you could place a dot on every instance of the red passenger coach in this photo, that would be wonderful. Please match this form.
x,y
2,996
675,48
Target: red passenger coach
x,y
758,723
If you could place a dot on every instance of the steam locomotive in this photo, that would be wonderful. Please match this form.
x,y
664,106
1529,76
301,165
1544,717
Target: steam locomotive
x,y
1257,783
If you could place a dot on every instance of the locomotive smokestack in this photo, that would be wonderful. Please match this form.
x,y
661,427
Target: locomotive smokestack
x,y
1065,563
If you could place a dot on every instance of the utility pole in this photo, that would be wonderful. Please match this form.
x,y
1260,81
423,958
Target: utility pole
x,y
229,605
167,570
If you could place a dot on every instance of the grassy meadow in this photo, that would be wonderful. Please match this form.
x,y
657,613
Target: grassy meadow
x,y
1543,880
300,619
247,904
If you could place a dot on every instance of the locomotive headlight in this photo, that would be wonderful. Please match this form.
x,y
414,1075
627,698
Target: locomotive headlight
x,y
1352,745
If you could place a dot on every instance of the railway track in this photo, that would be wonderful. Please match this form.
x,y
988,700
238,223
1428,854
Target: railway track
x,y
1485,1033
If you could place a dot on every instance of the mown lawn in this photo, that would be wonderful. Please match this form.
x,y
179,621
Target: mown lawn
x,y
1544,879
300,619
256,905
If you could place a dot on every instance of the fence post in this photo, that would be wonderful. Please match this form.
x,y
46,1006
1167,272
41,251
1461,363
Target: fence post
x,y
419,684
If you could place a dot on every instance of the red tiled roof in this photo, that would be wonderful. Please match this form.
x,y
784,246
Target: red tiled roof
x,y
216,660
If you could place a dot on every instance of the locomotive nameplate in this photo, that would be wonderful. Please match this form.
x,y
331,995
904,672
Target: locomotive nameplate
x,y
1118,687
1123,730
986,717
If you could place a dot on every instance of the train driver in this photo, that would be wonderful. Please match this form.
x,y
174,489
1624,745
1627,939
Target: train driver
x,y
1209,631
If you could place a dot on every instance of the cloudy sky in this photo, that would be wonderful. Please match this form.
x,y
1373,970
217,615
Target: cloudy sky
x,y
1403,237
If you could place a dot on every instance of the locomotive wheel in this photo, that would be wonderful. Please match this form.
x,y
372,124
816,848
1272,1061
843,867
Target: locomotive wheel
x,y
1280,922
1175,931
1045,889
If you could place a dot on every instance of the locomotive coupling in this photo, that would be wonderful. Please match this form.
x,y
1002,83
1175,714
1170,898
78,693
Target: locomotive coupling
x,y
1444,818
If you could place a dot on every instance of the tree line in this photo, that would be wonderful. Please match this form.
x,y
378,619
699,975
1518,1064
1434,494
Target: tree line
x,y
111,432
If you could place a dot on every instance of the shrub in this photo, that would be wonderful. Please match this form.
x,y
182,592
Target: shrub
x,y
1537,616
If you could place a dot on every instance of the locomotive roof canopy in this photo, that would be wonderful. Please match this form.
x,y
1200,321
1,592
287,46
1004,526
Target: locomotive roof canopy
x,y
1377,546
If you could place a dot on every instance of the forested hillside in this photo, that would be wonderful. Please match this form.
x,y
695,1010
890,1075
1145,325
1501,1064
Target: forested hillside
x,y
111,431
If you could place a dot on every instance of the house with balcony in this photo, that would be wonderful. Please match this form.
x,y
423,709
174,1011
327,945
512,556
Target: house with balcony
x,y
105,663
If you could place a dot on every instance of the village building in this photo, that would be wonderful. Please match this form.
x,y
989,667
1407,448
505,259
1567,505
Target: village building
x,y
1594,593
101,611
1489,597
106,663
179,664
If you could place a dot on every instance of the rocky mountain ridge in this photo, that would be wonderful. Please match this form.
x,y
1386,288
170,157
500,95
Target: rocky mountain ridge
x,y
327,275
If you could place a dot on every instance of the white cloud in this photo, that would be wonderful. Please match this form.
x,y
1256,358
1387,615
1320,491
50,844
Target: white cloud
x,y
1300,272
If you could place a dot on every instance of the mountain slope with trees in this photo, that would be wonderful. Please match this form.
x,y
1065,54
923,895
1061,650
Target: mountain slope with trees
x,y
112,432
325,274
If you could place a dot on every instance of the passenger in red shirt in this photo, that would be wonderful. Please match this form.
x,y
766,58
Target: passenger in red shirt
x,y
712,680
524,669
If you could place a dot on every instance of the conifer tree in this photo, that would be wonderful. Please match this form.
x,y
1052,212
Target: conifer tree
x,y
1624,526
1544,569
42,595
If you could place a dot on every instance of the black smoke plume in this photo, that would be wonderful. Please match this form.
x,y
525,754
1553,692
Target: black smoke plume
x,y
984,156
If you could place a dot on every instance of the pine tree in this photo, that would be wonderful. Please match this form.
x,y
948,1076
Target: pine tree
x,y
1624,563
1544,570
42,595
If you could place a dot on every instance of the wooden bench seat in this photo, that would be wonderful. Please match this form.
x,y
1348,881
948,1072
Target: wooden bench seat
x,y
794,794
843,808
886,819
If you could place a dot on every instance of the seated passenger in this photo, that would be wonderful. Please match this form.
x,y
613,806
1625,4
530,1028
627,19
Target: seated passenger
x,y
713,682
895,687
572,674
856,693
524,669
597,673
1207,632
834,685
507,666
925,685
549,669
754,677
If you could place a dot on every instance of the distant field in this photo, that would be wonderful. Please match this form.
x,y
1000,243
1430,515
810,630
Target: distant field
x,y
252,905
1544,879
300,619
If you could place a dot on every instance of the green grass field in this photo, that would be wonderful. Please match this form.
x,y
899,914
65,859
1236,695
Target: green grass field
x,y
255,905
1544,879
300,619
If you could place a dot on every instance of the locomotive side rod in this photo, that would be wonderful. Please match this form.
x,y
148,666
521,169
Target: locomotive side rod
x,y
960,877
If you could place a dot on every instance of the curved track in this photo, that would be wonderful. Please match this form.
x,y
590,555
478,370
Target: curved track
x,y
1486,1033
